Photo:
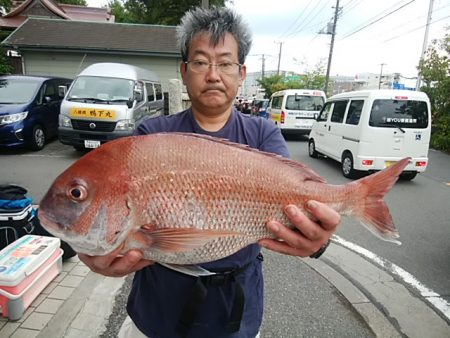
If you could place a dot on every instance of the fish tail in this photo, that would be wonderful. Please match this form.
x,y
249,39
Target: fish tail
x,y
373,212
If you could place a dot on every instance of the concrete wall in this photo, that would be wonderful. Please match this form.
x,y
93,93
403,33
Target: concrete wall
x,y
70,64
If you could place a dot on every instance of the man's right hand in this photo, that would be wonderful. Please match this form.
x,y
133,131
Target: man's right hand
x,y
115,265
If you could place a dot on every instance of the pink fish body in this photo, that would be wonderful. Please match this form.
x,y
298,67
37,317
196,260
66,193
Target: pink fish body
x,y
189,199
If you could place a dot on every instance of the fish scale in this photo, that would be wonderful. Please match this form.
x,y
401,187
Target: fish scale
x,y
189,199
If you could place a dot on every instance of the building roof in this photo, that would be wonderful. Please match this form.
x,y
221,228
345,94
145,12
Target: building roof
x,y
64,35
51,9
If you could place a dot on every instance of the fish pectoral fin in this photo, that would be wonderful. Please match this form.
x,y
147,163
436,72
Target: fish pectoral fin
x,y
182,239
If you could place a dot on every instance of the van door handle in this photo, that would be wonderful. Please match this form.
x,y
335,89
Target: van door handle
x,y
329,127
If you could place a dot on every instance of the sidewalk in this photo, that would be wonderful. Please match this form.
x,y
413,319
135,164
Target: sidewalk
x,y
78,302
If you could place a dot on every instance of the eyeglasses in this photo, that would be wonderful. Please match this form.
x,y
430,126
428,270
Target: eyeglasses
x,y
200,66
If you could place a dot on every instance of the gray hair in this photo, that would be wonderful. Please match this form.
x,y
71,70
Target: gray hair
x,y
217,21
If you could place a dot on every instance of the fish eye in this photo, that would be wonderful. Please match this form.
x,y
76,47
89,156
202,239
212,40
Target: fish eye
x,y
77,193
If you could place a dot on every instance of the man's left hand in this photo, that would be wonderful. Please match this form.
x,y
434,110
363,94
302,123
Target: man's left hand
x,y
308,236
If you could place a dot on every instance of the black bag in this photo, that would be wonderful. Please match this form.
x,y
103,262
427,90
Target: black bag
x,y
18,218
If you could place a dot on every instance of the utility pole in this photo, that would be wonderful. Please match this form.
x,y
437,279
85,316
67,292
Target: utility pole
x,y
263,66
381,74
205,4
333,33
279,57
425,41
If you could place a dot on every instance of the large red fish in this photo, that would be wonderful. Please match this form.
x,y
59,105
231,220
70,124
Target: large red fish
x,y
188,199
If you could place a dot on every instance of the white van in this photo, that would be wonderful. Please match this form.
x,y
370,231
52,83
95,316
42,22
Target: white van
x,y
370,130
107,101
294,110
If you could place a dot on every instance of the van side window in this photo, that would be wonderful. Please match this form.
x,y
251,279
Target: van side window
x,y
150,92
158,91
338,111
325,112
354,112
276,102
50,91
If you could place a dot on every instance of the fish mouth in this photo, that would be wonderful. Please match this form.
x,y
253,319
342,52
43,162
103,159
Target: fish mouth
x,y
92,243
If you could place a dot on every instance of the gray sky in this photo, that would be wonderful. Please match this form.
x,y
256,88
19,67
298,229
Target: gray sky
x,y
395,40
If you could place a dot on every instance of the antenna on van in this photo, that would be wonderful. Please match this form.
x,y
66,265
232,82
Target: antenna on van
x,y
82,60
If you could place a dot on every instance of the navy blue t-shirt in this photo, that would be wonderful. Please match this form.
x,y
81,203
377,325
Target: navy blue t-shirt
x,y
158,294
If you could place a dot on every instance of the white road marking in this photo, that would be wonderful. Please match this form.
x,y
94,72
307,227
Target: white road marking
x,y
429,295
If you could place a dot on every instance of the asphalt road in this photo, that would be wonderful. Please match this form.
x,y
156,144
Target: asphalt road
x,y
420,209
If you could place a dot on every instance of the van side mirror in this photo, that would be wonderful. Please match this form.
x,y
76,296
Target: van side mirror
x,y
62,90
130,103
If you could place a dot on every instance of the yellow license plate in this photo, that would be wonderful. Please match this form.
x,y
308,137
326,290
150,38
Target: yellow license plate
x,y
93,113
389,163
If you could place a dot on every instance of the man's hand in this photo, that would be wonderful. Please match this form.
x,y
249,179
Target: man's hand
x,y
308,236
113,265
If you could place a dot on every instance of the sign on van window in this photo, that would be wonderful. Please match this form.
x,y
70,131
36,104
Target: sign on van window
x,y
399,113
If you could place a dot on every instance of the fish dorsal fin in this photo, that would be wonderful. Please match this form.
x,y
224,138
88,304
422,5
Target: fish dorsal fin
x,y
310,175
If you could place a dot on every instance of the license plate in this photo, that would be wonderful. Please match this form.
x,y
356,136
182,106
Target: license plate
x,y
93,113
389,163
91,144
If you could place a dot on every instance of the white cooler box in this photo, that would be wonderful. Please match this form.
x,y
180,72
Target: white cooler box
x,y
27,266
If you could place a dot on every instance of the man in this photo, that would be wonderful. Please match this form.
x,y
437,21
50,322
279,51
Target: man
x,y
214,44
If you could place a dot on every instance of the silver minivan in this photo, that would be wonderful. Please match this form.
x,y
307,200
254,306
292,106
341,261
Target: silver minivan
x,y
107,101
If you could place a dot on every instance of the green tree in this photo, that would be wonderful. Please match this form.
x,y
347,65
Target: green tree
x,y
73,2
435,72
314,79
5,67
5,6
270,84
161,12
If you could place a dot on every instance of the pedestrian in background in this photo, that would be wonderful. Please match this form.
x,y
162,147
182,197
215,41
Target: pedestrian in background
x,y
164,303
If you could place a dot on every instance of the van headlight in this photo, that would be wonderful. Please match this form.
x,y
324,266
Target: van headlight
x,y
12,118
64,121
125,125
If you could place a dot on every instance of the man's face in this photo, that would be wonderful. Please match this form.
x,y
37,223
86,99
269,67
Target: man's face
x,y
212,92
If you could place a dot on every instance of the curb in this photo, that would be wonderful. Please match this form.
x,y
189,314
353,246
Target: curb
x,y
388,307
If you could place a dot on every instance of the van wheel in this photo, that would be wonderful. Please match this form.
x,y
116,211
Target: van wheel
x,y
347,166
312,149
408,176
37,141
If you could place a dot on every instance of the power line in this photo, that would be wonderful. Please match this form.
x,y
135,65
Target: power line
x,y
408,23
305,23
415,29
298,18
349,6
379,19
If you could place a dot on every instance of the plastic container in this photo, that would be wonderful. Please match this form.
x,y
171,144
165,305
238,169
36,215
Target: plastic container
x,y
27,266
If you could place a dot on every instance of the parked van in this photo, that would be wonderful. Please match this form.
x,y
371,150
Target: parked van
x,y
294,110
107,101
29,109
372,129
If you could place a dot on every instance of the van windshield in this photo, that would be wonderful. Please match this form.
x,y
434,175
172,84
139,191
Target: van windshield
x,y
399,114
16,91
304,102
101,89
